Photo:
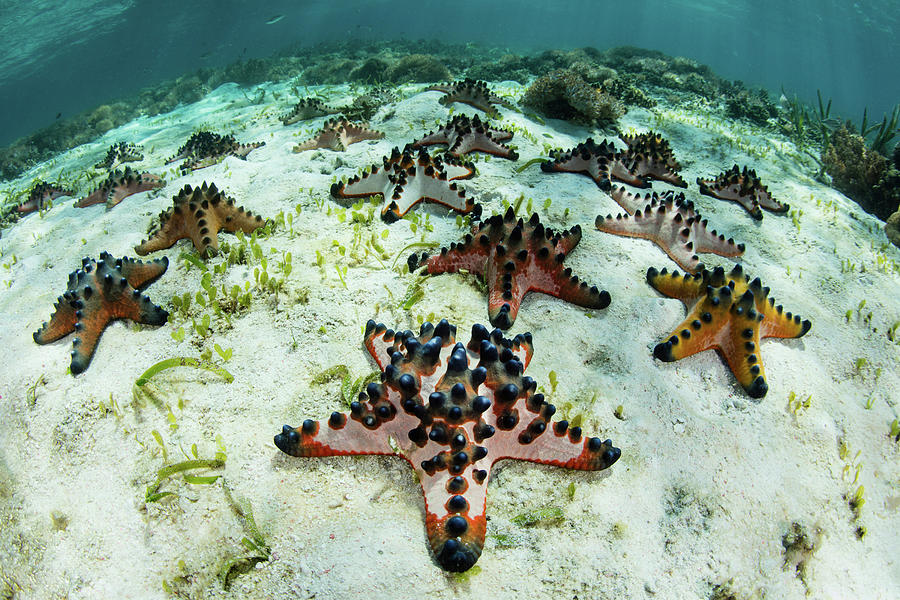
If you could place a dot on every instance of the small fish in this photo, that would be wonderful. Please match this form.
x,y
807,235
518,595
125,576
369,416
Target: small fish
x,y
205,55
58,115
274,19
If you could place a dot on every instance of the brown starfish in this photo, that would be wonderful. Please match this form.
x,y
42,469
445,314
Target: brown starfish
x,y
337,134
728,313
743,187
671,222
120,153
409,177
204,149
515,257
653,158
308,108
198,214
463,135
98,293
119,185
471,92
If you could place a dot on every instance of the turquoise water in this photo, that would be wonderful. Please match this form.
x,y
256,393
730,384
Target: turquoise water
x,y
63,58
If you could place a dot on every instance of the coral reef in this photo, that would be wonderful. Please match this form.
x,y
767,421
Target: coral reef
x,y
514,257
728,313
753,106
417,68
199,214
861,173
337,134
671,223
98,293
565,95
892,228
409,177
451,411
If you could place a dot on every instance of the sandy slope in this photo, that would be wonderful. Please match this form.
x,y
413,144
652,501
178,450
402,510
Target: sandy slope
x,y
709,481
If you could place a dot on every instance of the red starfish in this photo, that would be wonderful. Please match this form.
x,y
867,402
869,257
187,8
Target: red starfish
x,y
119,185
743,187
671,223
729,313
471,92
409,177
463,135
204,149
515,257
120,153
307,108
653,157
337,134
100,292
451,411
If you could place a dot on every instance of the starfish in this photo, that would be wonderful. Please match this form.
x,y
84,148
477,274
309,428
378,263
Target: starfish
x,y
204,149
729,313
42,193
308,108
337,134
407,178
743,187
671,223
463,135
198,214
647,157
451,411
120,153
119,185
515,257
100,292
653,158
471,92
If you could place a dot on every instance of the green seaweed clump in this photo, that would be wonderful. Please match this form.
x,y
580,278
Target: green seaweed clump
x,y
418,68
564,94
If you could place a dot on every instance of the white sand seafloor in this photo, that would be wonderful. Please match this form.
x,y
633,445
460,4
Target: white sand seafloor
x,y
709,483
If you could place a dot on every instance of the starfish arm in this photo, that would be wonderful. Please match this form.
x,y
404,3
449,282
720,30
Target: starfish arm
x,y
777,323
98,196
703,328
670,234
455,515
740,346
371,182
628,201
686,287
467,255
706,240
656,169
62,322
422,187
456,170
172,228
433,138
732,192
361,431
139,274
616,168
92,320
769,203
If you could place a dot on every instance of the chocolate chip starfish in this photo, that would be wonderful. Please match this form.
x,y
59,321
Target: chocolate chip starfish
x,y
670,222
452,411
98,293
199,214
463,135
119,185
728,313
472,92
409,177
743,187
515,257
337,134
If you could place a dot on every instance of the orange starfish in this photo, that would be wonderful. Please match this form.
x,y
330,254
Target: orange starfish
x,y
728,313
199,214
100,292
